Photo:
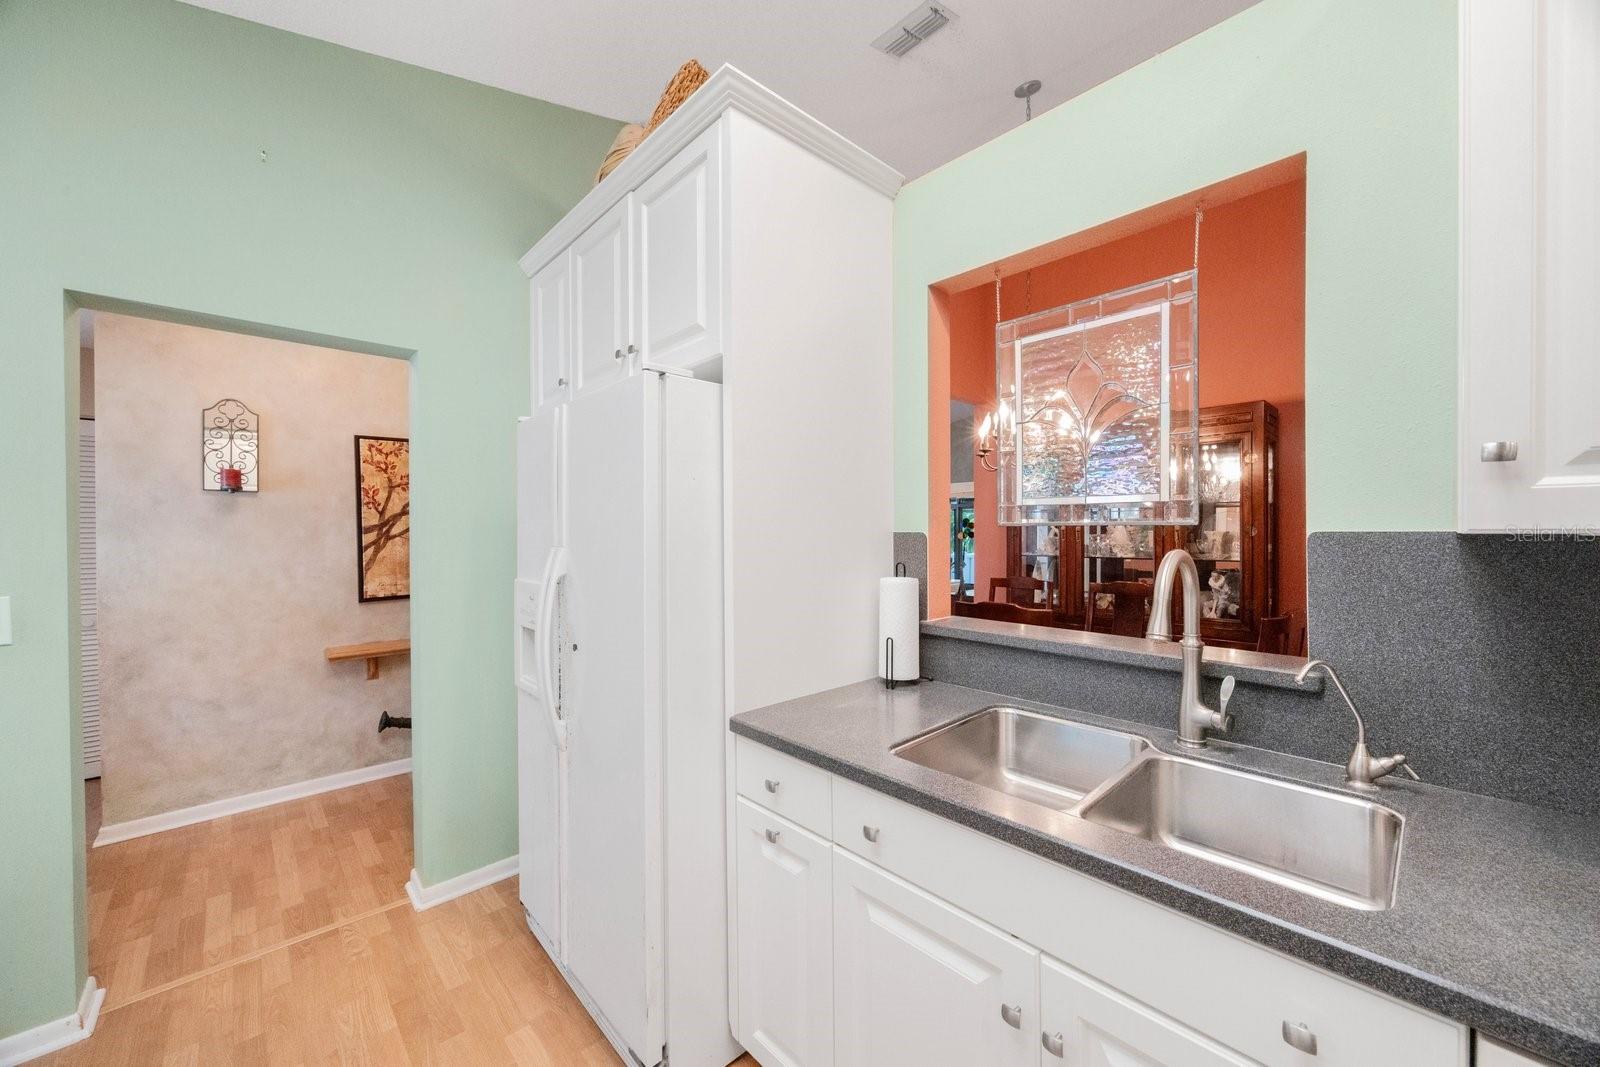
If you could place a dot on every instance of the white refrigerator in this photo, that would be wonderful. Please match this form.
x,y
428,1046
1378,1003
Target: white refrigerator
x,y
620,721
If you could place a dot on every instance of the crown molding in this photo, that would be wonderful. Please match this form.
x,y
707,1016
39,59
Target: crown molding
x,y
728,88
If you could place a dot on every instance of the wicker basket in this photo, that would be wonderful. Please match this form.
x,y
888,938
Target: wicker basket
x,y
628,139
690,77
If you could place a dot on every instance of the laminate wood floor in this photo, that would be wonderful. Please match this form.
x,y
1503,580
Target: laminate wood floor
x,y
355,975
464,982
168,906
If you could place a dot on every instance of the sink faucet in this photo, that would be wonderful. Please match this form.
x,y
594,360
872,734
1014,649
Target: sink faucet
x,y
1363,769
1194,717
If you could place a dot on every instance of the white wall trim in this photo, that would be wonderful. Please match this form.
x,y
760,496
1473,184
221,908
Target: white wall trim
x,y
425,897
68,1030
216,809
729,87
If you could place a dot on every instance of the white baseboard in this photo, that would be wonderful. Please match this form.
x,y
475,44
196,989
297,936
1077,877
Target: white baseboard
x,y
171,820
425,897
68,1030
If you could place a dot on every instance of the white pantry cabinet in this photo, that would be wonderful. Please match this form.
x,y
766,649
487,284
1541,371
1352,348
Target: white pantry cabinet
x,y
641,286
1529,446
744,243
786,892
917,981
551,303
602,299
678,259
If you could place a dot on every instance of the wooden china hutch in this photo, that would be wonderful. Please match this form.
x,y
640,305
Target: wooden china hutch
x,y
1234,544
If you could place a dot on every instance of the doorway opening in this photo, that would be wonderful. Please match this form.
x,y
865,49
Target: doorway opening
x,y
244,514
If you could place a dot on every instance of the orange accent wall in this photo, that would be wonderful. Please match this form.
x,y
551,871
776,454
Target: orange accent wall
x,y
1252,347
939,374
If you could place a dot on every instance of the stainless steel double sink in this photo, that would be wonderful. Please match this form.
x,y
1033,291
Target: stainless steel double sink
x,y
1329,845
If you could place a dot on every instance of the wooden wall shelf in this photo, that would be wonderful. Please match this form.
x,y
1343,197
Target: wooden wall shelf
x,y
374,652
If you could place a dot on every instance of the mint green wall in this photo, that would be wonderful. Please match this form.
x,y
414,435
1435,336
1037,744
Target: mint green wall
x,y
1367,90
390,212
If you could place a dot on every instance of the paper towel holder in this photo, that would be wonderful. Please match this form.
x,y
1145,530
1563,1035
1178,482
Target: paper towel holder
x,y
889,680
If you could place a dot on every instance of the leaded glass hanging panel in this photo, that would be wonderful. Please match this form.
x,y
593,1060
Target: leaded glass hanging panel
x,y
1098,409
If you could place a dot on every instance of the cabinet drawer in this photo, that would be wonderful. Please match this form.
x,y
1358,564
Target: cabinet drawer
x,y
795,790
1233,991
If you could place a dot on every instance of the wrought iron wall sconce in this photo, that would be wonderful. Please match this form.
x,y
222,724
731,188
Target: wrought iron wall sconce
x,y
229,447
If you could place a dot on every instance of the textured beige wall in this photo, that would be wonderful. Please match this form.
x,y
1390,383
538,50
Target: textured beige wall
x,y
215,608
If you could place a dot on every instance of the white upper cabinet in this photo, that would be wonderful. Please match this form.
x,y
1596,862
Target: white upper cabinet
x,y
785,940
602,299
1530,266
551,305
917,981
678,263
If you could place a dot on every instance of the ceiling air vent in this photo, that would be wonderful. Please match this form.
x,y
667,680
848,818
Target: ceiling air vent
x,y
922,23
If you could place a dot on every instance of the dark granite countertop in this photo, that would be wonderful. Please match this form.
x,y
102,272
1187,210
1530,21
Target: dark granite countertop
x,y
1496,921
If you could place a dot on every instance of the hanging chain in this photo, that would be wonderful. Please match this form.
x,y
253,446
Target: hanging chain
x,y
1027,294
1198,215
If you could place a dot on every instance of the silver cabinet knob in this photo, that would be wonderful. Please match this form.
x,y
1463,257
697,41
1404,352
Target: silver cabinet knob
x,y
1054,1043
633,349
1299,1036
772,785
561,381
617,354
1012,1014
772,837
1498,452
870,833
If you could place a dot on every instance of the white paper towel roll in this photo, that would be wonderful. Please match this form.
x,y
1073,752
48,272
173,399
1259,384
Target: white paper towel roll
x,y
899,617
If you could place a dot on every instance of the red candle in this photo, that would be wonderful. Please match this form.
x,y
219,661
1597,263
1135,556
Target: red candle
x,y
232,479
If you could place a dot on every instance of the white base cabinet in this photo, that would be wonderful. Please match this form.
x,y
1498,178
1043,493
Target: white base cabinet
x,y
1491,1053
951,947
785,901
1088,1024
917,981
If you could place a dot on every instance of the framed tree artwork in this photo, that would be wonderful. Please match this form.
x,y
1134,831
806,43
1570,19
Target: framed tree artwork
x,y
383,518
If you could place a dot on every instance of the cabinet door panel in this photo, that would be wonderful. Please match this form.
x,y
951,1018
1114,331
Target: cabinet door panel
x,y
1530,265
1087,1024
917,981
678,257
785,917
602,304
551,306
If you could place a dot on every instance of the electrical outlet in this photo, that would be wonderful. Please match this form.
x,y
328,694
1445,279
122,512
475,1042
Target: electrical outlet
x,y
5,620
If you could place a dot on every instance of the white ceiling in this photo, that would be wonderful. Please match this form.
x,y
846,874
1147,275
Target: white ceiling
x,y
613,57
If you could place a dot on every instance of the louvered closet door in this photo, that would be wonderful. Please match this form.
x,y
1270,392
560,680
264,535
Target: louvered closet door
x,y
88,600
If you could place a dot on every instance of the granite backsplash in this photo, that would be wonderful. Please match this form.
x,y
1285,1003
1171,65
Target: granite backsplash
x,y
1479,657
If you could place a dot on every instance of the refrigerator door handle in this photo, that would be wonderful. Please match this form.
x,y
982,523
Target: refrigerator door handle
x,y
555,572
